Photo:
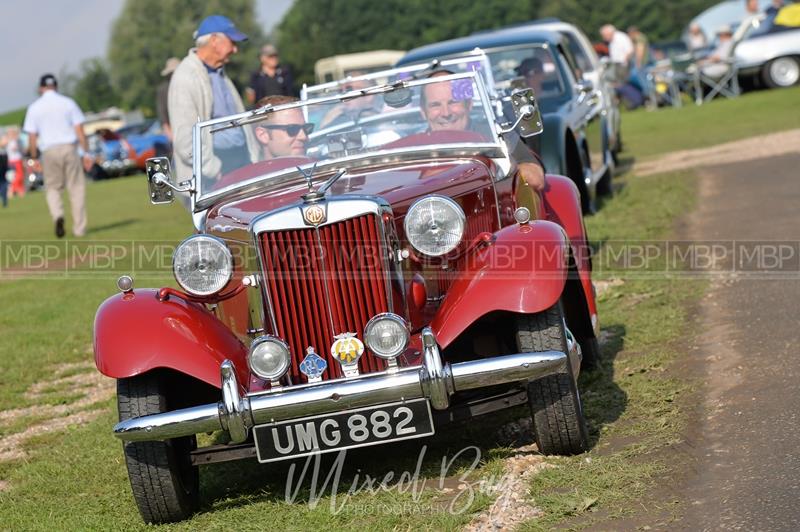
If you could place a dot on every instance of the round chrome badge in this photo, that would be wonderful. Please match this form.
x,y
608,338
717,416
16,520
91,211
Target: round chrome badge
x,y
314,214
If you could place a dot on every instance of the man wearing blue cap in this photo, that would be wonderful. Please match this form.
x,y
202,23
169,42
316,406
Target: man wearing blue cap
x,y
199,89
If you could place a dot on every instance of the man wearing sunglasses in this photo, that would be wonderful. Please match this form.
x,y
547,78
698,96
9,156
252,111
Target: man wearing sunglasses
x,y
284,133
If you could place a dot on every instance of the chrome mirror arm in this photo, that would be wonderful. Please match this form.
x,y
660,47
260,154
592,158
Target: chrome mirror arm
x,y
160,179
526,112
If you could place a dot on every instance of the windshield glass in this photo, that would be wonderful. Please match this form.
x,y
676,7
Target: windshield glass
x,y
533,66
514,67
475,61
448,112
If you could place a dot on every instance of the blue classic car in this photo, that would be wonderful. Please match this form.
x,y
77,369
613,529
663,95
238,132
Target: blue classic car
x,y
575,141
147,139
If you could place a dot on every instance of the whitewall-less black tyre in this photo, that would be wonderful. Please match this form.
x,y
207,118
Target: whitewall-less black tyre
x,y
165,484
558,423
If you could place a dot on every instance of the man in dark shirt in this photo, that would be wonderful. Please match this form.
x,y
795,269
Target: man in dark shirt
x,y
271,79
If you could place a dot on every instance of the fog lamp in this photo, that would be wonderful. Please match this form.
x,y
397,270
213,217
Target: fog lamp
x,y
269,357
387,335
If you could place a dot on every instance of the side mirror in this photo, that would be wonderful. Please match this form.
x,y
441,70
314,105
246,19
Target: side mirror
x,y
526,112
159,180
584,86
586,92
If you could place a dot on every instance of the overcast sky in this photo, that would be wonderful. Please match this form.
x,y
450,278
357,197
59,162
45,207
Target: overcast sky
x,y
38,36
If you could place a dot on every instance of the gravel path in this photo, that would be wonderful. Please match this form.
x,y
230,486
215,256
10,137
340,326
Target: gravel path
x,y
746,465
772,145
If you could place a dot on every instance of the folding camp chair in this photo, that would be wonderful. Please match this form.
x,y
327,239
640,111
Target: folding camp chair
x,y
720,78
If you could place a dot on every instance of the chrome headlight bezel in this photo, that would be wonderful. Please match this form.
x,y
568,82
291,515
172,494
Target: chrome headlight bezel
x,y
281,370
402,327
418,209
219,247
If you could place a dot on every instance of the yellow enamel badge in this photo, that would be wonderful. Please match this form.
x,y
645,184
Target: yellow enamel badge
x,y
347,349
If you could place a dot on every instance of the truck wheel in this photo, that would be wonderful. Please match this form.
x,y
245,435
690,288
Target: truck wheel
x,y
558,423
165,484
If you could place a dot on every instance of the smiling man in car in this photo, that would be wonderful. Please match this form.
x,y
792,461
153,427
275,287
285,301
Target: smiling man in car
x,y
445,109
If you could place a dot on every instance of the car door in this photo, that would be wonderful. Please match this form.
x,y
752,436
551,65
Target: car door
x,y
588,103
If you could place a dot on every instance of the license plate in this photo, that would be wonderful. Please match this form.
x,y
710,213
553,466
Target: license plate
x,y
344,430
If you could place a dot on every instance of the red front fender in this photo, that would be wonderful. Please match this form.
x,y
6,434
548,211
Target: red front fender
x,y
135,333
562,205
524,270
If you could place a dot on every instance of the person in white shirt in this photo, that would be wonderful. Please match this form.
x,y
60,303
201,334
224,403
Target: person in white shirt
x,y
697,39
620,46
54,124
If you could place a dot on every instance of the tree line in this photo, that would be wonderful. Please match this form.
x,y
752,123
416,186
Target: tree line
x,y
147,32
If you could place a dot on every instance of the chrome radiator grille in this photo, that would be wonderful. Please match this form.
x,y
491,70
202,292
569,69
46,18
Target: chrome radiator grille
x,y
325,281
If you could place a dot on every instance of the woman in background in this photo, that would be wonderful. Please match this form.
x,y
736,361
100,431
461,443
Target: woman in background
x,y
14,152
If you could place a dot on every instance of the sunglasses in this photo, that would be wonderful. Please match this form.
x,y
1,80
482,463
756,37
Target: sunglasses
x,y
291,129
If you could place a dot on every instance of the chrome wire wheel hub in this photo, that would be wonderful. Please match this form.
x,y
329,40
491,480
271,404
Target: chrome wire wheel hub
x,y
785,71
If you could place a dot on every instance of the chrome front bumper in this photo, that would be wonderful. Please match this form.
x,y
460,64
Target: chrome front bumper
x,y
432,380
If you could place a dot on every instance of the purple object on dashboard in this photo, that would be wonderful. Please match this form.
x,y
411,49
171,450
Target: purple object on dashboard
x,y
462,89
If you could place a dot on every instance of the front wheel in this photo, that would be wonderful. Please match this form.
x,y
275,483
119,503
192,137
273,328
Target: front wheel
x,y
782,72
558,423
164,482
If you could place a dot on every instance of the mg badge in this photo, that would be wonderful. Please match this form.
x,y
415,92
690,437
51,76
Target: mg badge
x,y
347,349
313,366
314,214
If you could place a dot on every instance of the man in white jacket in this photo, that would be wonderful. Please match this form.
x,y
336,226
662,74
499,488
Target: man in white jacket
x,y
200,90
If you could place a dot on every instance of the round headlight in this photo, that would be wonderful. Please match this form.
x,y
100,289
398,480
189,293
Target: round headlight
x,y
202,264
387,335
269,357
434,225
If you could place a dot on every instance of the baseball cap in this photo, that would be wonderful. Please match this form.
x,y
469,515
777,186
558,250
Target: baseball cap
x,y
48,80
724,29
268,50
170,66
219,24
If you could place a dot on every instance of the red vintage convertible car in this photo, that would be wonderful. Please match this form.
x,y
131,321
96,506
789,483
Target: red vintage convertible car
x,y
351,285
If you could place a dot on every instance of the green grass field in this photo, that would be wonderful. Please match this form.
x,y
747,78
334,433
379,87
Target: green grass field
x,y
646,134
75,477
12,118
